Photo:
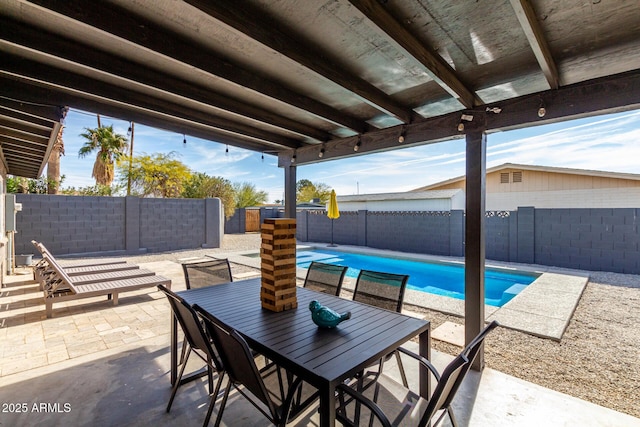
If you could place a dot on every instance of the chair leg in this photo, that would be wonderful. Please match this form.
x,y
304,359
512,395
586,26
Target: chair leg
x,y
401,369
184,350
223,403
214,397
177,384
454,423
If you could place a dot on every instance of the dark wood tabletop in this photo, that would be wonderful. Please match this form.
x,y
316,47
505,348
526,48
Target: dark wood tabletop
x,y
323,357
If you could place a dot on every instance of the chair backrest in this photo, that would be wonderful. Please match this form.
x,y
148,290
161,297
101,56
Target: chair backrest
x,y
325,277
237,359
471,352
191,326
206,273
384,290
446,387
62,277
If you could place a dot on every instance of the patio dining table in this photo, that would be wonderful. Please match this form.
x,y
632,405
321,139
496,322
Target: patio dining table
x,y
323,357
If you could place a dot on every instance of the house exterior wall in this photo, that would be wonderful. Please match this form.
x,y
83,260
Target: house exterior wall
x,y
398,205
3,228
533,181
544,189
625,197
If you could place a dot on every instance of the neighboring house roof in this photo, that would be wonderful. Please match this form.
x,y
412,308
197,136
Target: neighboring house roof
x,y
413,195
551,169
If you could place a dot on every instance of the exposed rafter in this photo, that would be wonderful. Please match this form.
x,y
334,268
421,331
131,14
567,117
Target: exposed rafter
x,y
291,45
527,17
433,64
32,90
610,94
67,80
52,44
142,32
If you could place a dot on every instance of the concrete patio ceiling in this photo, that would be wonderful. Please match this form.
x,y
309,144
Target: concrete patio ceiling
x,y
310,79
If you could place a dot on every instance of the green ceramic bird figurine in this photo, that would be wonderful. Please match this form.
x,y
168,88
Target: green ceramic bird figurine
x,y
325,317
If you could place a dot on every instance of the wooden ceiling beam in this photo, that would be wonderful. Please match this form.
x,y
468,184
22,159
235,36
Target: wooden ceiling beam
x,y
30,90
77,82
433,64
50,113
610,94
274,35
21,133
24,126
538,42
35,38
142,32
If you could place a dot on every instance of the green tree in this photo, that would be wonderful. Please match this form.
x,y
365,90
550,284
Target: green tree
x,y
93,190
201,186
110,147
155,175
307,191
18,184
247,195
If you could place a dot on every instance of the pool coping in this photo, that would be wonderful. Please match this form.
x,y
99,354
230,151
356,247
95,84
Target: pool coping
x,y
544,308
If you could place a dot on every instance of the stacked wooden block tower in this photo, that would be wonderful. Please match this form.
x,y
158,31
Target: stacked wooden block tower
x,y
278,266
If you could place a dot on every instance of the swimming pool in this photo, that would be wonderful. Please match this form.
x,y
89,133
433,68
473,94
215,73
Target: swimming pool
x,y
438,278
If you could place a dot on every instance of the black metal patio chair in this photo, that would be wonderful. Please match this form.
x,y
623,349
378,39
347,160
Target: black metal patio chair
x,y
393,404
270,392
324,277
198,342
384,290
206,273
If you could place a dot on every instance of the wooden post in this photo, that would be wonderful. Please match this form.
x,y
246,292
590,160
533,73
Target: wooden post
x,y
474,251
278,264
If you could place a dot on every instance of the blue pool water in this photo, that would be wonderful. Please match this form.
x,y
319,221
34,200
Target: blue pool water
x,y
445,279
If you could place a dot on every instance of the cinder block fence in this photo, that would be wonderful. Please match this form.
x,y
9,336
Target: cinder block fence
x,y
117,225
589,239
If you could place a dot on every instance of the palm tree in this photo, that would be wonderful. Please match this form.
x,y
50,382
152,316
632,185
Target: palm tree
x,y
53,165
111,147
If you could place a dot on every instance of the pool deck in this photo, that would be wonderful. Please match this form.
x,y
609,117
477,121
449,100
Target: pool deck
x,y
544,308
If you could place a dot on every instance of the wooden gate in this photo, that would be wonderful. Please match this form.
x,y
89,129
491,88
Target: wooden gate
x,y
252,220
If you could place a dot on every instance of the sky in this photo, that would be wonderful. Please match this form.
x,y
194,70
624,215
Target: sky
x,y
607,143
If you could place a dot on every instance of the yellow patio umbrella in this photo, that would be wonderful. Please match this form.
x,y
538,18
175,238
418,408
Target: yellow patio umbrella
x,y
333,212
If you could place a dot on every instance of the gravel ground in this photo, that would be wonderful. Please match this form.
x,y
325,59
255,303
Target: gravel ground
x,y
598,358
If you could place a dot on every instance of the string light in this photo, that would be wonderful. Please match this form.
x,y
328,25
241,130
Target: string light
x,y
262,157
184,139
321,153
357,146
293,158
402,135
542,111
226,151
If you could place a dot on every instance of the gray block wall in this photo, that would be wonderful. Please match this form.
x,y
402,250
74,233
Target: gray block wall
x,y
116,225
236,224
588,239
70,224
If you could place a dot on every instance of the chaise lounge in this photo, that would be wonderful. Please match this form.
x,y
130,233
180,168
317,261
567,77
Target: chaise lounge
x,y
42,270
62,287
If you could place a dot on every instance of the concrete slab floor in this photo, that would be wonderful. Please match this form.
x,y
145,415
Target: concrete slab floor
x,y
129,386
109,364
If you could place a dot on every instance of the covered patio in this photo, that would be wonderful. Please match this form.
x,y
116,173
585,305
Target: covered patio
x,y
314,81
103,365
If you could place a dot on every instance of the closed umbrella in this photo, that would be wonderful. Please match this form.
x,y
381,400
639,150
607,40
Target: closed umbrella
x,y
333,212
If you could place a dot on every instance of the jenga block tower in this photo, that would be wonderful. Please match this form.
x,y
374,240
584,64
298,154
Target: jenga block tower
x,y
278,265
